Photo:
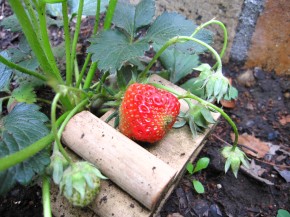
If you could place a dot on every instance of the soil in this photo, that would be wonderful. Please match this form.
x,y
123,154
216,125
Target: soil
x,y
261,111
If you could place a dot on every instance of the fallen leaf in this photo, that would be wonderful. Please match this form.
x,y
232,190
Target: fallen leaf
x,y
284,120
284,173
175,215
273,148
256,169
228,103
261,148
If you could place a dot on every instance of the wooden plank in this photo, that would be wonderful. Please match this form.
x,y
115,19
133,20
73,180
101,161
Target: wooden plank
x,y
176,149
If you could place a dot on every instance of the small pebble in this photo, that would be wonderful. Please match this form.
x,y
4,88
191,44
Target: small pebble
x,y
273,176
259,74
219,186
272,135
250,123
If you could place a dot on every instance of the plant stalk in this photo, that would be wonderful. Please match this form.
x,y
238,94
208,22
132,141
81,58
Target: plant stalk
x,y
110,14
46,196
76,35
19,156
88,57
31,35
45,41
70,115
181,39
32,15
213,21
90,75
67,44
54,127
21,69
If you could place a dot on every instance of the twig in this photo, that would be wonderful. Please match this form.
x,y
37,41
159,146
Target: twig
x,y
265,162
238,144
272,164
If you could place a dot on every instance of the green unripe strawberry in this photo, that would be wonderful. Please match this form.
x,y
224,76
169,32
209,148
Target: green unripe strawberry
x,y
81,183
57,165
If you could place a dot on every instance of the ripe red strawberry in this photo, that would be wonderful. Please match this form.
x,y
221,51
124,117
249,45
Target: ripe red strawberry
x,y
147,113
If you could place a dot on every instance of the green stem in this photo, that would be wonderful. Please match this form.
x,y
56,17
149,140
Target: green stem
x,y
54,127
46,42
88,58
107,25
31,37
181,39
67,44
97,21
110,14
32,15
46,196
21,69
213,21
206,104
47,102
70,115
90,75
76,34
17,157
77,71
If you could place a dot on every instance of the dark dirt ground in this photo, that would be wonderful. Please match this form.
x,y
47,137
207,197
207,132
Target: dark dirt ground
x,y
261,110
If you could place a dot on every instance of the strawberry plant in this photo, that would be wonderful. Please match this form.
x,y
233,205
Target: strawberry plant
x,y
30,142
201,164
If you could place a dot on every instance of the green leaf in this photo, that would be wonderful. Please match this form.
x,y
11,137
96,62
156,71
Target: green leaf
x,y
207,115
24,93
218,86
283,213
54,9
144,13
194,85
198,186
210,87
201,164
178,63
199,120
169,25
23,126
89,8
189,168
5,74
179,124
192,126
111,49
23,55
11,23
130,17
223,90
227,165
206,68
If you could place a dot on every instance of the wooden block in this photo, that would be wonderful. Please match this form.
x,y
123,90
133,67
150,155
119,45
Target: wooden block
x,y
176,150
